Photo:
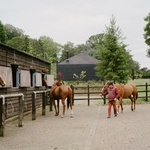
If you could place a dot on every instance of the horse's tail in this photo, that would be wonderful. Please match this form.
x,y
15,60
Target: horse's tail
x,y
69,98
68,102
136,95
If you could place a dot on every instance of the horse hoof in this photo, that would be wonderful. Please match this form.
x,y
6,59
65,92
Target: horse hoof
x,y
71,116
62,116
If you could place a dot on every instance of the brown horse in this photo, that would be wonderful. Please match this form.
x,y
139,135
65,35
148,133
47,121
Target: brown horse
x,y
2,82
60,91
126,91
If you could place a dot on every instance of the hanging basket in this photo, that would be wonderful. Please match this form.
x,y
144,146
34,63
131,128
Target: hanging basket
x,y
45,70
32,70
14,66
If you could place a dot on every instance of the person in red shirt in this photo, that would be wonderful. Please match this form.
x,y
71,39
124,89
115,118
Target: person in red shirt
x,y
113,95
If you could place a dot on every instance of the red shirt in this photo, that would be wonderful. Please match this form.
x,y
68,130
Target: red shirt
x,y
112,93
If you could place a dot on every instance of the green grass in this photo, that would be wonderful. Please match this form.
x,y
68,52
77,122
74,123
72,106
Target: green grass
x,y
140,81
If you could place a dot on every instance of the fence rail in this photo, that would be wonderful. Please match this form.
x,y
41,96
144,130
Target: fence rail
x,y
44,98
89,93
2,110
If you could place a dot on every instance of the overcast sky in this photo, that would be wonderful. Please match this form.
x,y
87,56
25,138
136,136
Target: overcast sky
x,y
77,20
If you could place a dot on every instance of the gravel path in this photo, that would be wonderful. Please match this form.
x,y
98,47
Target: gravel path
x,y
89,129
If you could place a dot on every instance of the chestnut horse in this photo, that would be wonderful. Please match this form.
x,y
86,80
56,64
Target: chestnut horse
x,y
60,91
2,82
126,91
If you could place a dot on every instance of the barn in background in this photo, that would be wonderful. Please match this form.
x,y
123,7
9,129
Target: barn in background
x,y
77,64
22,73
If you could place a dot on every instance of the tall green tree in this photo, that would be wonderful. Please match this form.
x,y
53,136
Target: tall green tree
x,y
3,36
113,56
92,44
70,48
147,33
22,43
16,42
50,49
12,31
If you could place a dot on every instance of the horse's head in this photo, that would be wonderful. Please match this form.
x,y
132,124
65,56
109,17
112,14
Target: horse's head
x,y
58,83
105,87
45,82
2,82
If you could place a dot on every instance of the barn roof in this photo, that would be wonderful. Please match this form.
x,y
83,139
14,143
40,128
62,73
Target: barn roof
x,y
81,58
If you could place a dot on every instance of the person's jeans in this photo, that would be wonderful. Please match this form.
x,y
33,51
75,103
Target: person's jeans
x,y
112,103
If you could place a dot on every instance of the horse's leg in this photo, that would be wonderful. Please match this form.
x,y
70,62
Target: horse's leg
x,y
130,97
70,99
63,103
56,113
57,107
120,103
121,107
134,98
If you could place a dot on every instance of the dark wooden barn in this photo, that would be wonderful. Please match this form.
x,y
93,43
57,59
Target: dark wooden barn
x,y
22,73
77,64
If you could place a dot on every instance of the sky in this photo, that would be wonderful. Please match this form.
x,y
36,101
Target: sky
x,y
76,20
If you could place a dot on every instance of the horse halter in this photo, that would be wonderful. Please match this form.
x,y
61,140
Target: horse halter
x,y
105,87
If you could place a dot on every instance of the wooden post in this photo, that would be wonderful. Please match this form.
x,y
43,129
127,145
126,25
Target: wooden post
x,y
43,103
20,114
2,116
33,106
88,95
146,92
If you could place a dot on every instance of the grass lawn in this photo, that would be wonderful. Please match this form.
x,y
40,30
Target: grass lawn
x,y
140,81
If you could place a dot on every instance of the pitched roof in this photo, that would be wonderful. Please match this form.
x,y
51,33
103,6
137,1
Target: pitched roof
x,y
81,58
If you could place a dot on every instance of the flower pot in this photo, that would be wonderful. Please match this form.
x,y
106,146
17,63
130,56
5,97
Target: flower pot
x,y
45,70
32,70
14,66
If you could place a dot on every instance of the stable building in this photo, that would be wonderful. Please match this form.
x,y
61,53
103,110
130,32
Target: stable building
x,y
77,64
22,73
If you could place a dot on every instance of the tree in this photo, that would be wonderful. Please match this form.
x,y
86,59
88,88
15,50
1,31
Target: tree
x,y
50,49
147,33
16,42
113,56
12,31
22,43
92,44
69,47
2,33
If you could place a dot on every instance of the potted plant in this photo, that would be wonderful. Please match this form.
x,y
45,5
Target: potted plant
x,y
45,70
14,66
32,69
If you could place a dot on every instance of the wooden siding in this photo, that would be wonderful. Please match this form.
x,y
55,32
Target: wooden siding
x,y
8,56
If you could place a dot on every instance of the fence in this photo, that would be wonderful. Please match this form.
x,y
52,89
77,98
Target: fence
x,y
2,110
44,98
20,107
89,93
